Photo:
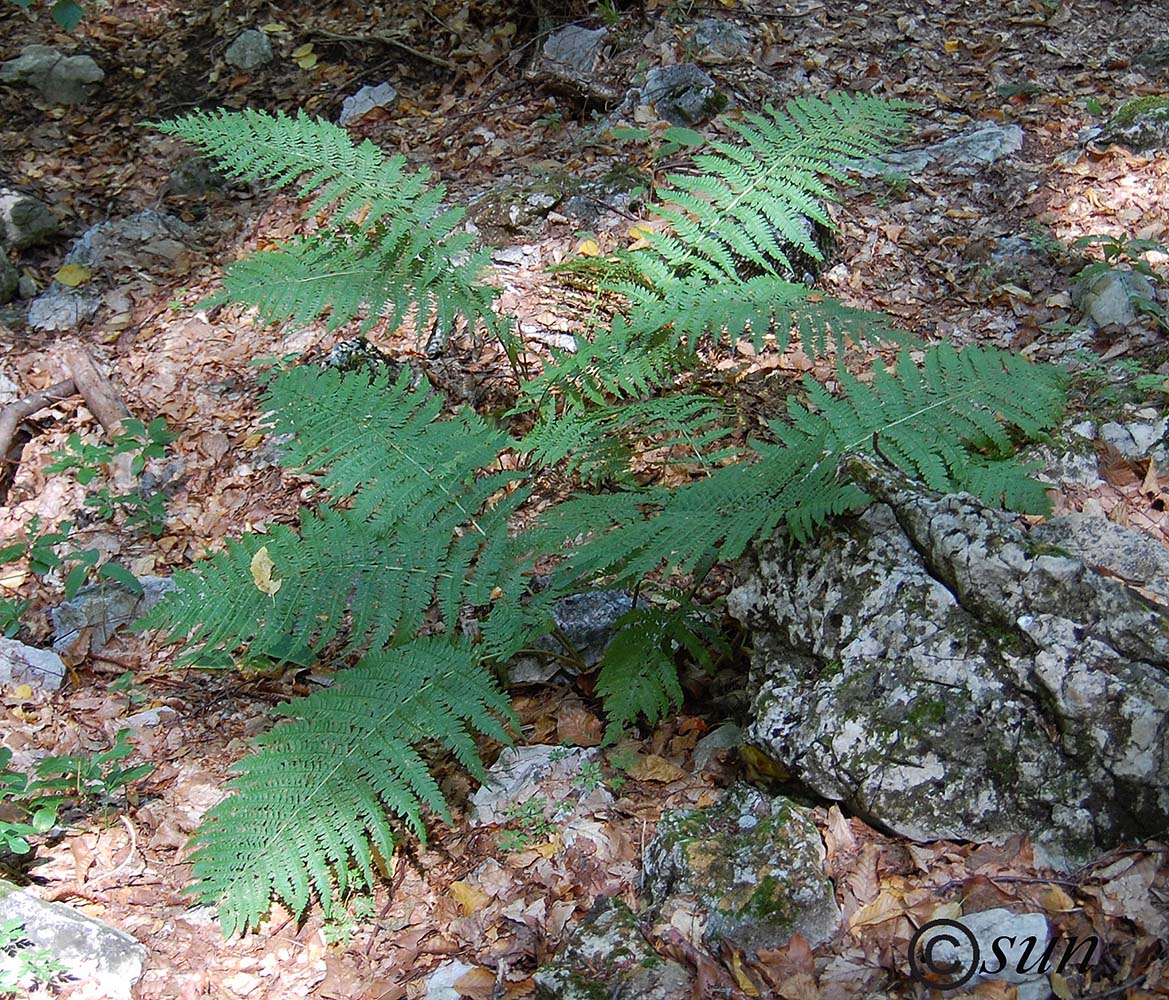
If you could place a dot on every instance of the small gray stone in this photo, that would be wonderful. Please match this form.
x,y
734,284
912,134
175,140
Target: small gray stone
x,y
683,94
21,664
26,287
60,79
587,621
720,41
725,737
609,956
1141,125
575,50
540,771
978,146
194,176
114,244
751,866
9,280
365,100
87,623
1106,298
1136,438
250,50
94,953
24,221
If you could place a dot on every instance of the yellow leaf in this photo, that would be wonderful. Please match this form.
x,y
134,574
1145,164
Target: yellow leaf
x,y
274,27
588,248
1059,986
302,50
262,567
307,62
639,232
951,44
1055,900
470,897
72,275
742,978
23,691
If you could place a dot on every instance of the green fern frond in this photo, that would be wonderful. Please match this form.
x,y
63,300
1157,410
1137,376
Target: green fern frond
x,y
619,361
310,807
920,419
388,248
598,442
384,445
749,201
639,676
733,308
425,511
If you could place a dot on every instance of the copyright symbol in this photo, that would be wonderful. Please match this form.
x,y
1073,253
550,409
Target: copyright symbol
x,y
943,975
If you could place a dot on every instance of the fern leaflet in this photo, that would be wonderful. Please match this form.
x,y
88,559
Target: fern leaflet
x,y
388,248
309,808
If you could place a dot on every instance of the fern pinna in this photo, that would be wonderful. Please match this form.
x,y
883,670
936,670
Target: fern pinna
x,y
386,247
308,813
410,503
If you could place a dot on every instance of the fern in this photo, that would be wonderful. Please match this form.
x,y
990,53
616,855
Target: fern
x,y
387,246
423,511
750,200
921,419
411,531
597,443
308,816
638,673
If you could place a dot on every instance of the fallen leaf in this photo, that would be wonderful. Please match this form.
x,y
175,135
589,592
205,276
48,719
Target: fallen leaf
x,y
262,567
470,897
478,984
655,768
73,275
588,248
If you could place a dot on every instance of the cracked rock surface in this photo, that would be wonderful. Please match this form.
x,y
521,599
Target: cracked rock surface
x,y
949,672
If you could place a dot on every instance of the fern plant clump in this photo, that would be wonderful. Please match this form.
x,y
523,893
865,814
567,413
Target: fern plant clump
x,y
409,564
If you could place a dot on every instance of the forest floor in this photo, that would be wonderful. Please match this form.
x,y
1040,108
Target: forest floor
x,y
919,249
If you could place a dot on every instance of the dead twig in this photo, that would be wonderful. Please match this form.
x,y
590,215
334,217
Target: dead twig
x,y
391,40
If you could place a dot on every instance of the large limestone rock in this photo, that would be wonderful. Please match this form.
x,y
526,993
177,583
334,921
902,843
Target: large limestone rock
x,y
748,871
948,673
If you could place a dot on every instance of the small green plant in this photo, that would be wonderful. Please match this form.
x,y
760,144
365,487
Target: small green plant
x,y
551,119
144,442
21,816
1127,252
342,921
23,966
67,13
589,777
533,826
77,776
609,13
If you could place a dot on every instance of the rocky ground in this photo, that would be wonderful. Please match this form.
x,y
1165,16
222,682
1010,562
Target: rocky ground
x,y
1014,155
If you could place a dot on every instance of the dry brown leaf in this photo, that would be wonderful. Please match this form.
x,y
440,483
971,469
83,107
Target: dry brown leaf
x,y
478,984
655,768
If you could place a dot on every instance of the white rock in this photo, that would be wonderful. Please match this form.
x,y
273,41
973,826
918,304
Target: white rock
x,y
21,664
365,100
440,984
